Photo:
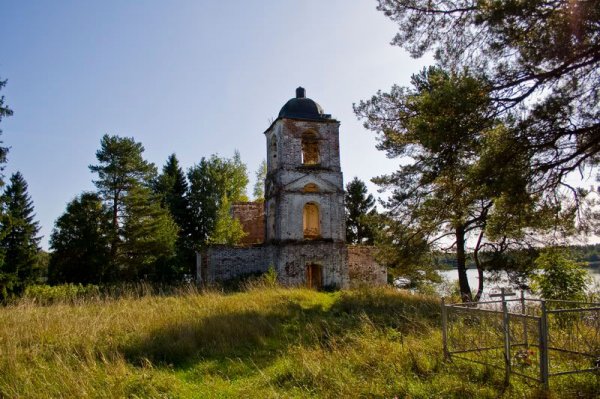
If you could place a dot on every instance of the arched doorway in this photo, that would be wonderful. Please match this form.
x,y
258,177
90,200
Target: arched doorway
x,y
314,276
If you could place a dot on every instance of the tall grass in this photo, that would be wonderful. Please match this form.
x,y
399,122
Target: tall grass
x,y
267,342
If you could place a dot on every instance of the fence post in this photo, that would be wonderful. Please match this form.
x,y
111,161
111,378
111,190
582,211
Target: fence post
x,y
524,313
505,323
444,330
544,361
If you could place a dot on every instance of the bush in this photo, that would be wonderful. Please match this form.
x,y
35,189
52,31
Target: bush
x,y
559,276
69,293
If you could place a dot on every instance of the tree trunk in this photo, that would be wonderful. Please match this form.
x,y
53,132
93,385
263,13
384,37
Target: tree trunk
x,y
463,282
479,268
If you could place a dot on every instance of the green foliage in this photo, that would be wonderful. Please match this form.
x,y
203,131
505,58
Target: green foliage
x,y
403,250
20,241
149,235
120,168
438,125
64,293
560,276
227,230
80,243
143,233
359,206
464,176
210,181
541,61
259,185
271,276
171,185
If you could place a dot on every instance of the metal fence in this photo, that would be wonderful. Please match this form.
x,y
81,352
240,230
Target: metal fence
x,y
532,338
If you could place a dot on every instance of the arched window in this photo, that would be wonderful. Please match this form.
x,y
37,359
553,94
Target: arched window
x,y
310,221
310,148
311,188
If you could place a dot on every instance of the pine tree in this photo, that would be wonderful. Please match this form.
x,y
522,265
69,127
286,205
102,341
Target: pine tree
x,y
20,242
443,129
359,204
541,62
80,242
121,168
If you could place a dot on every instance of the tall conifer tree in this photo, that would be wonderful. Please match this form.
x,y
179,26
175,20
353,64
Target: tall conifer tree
x,y
359,204
80,242
149,235
120,168
172,187
20,241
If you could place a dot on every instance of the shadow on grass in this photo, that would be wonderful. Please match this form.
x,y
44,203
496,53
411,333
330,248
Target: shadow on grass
x,y
260,336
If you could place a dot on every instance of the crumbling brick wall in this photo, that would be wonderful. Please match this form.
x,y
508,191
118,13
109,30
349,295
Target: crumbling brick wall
x,y
363,269
292,259
252,218
226,263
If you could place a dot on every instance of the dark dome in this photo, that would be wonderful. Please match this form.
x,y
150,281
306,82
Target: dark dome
x,y
302,108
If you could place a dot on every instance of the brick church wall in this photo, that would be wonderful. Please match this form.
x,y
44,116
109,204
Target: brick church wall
x,y
226,263
252,218
362,267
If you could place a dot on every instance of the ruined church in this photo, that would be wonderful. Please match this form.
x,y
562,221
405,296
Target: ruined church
x,y
299,229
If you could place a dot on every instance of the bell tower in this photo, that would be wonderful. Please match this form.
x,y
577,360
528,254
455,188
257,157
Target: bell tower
x,y
304,196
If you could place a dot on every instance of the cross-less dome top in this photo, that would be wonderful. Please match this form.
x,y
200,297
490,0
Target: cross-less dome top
x,y
302,108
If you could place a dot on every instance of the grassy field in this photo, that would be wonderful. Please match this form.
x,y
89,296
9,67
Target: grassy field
x,y
262,343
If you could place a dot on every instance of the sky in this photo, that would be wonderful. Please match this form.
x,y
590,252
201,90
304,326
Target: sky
x,y
193,78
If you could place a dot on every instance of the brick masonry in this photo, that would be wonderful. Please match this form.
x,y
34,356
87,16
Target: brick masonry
x,y
225,263
293,184
252,218
362,267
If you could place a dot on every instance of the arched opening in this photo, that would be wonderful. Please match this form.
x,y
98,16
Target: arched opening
x,y
310,219
314,276
310,148
311,188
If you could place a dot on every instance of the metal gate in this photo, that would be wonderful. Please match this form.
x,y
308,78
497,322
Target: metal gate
x,y
532,338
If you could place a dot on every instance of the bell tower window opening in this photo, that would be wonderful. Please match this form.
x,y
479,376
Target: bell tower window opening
x,y
310,149
310,221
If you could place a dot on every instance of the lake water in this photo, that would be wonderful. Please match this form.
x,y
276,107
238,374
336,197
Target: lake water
x,y
472,275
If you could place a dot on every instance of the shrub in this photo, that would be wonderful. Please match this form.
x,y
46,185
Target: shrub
x,y
70,293
559,276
